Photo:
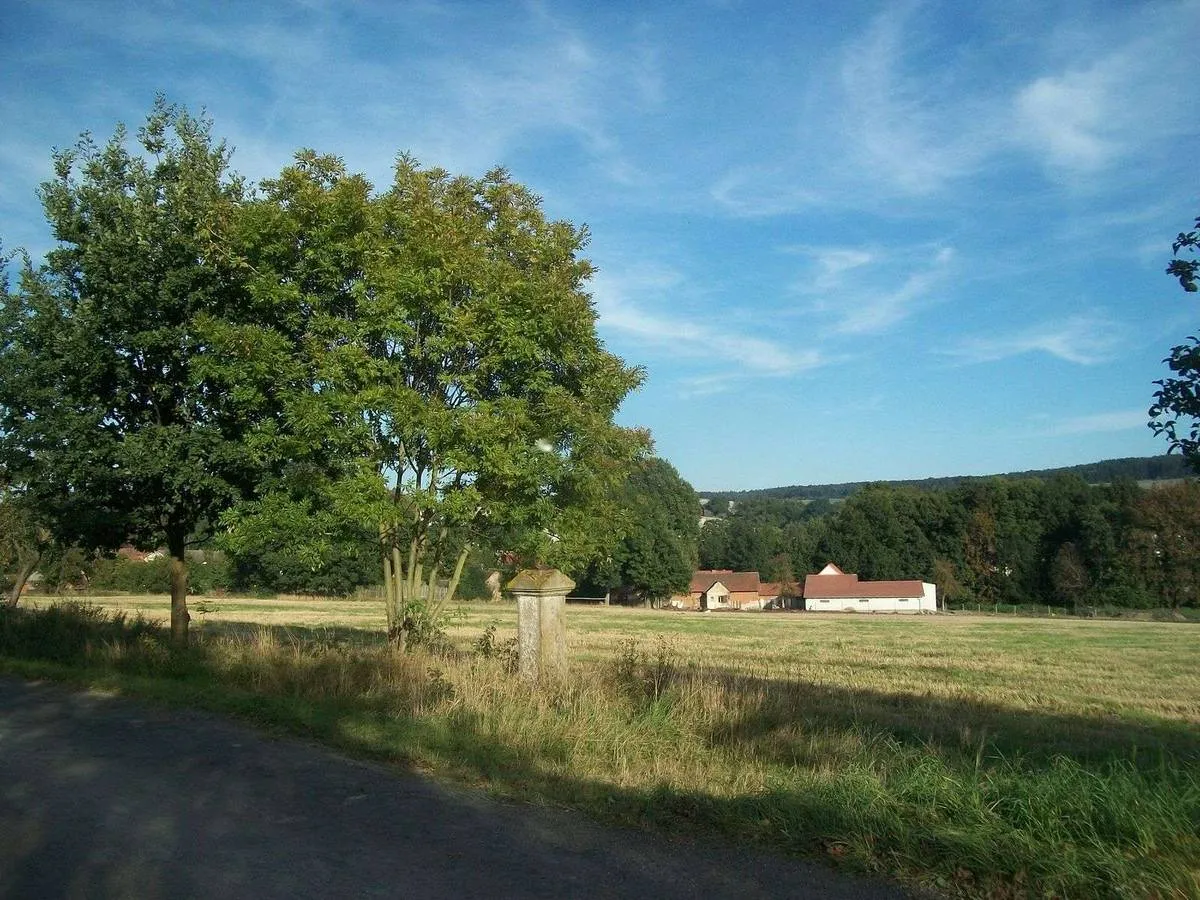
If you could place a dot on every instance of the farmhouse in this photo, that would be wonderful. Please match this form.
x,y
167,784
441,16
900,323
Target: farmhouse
x,y
720,589
727,589
832,590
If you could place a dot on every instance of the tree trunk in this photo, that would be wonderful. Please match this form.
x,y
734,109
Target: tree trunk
x,y
389,579
23,572
179,586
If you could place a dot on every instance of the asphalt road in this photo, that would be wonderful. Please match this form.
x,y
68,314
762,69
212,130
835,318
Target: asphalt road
x,y
104,797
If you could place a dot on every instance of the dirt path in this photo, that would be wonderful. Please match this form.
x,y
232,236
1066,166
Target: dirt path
x,y
105,797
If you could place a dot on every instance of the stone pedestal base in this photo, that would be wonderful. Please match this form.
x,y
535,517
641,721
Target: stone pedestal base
x,y
541,623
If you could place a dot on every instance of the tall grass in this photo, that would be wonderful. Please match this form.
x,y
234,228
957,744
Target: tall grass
x,y
940,790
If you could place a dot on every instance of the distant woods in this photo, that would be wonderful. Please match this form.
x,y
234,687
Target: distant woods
x,y
1137,468
1056,541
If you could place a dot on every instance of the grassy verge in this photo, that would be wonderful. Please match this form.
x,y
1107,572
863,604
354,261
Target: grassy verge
x,y
976,757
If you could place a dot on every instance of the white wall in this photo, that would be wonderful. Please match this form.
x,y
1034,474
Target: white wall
x,y
925,603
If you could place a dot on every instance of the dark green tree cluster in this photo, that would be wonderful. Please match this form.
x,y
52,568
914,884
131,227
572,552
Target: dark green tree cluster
x,y
1015,541
1134,468
300,367
658,520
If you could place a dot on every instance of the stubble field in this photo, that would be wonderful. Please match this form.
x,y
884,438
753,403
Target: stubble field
x,y
974,755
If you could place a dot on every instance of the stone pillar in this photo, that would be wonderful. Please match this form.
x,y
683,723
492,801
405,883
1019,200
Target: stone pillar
x,y
541,623
493,586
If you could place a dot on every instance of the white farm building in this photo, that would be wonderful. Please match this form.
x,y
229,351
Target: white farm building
x,y
832,590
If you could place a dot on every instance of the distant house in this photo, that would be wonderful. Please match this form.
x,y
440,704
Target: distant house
x,y
720,589
133,554
832,590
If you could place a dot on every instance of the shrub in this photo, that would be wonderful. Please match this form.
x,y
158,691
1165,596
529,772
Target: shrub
x,y
71,632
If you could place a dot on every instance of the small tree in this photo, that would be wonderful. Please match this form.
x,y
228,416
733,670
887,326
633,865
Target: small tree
x,y
945,577
23,540
105,422
1069,576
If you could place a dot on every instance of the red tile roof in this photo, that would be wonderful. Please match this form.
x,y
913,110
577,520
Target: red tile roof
x,y
848,587
775,588
734,581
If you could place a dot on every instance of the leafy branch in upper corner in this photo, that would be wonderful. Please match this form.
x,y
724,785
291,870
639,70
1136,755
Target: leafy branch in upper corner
x,y
1176,409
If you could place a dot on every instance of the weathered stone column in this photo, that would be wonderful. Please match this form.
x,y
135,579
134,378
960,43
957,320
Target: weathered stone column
x,y
541,624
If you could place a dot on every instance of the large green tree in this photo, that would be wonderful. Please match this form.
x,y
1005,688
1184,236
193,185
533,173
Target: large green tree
x,y
433,355
1176,409
660,520
106,424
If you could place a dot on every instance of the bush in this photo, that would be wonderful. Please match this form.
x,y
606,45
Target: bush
x,y
346,569
487,647
208,572
69,632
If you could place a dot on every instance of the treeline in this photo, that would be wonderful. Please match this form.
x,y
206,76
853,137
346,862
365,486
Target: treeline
x,y
1056,541
1137,468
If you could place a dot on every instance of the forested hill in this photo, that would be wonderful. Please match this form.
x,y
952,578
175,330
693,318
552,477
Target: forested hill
x,y
1139,468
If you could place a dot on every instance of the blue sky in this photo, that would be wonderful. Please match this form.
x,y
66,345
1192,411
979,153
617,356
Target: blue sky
x,y
851,241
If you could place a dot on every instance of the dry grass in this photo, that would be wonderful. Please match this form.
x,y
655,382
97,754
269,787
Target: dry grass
x,y
976,755
1074,666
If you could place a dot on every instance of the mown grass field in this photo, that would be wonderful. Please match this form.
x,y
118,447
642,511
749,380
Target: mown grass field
x,y
973,755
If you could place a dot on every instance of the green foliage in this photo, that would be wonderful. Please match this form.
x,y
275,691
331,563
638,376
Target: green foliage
x,y
658,519
996,541
107,423
209,572
66,632
24,539
316,367
424,361
1186,270
1140,468
473,584
285,544
1176,410
487,647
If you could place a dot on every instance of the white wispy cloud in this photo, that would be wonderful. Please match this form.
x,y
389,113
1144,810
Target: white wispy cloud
x,y
867,290
1113,97
1097,423
1067,117
764,190
1084,340
623,303
317,74
900,118
912,132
